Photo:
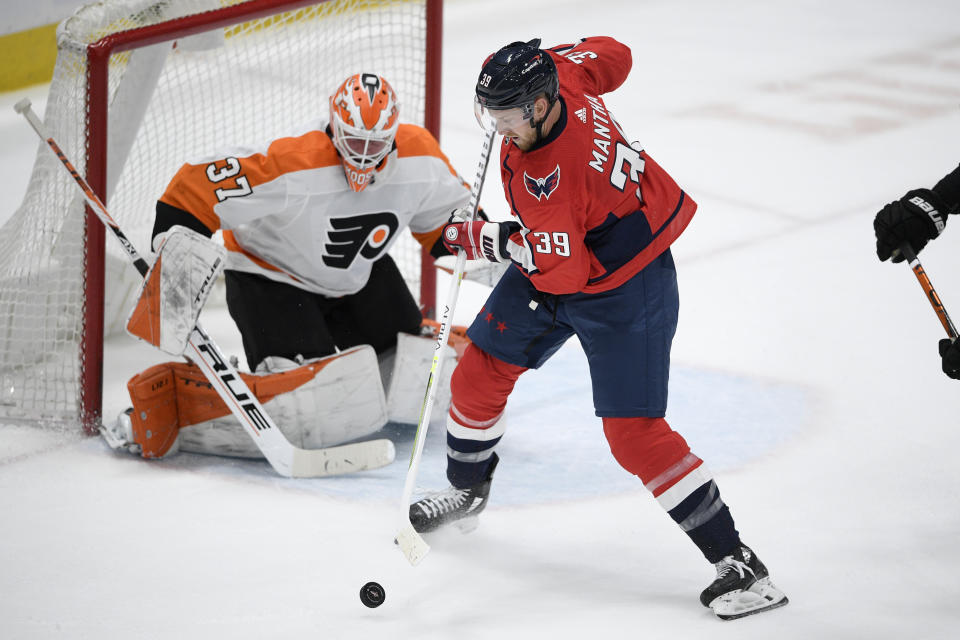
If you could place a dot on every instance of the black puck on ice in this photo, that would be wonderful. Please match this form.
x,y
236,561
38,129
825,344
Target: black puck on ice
x,y
372,594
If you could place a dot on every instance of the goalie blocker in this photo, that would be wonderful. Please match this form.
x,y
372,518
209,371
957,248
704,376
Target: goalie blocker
x,y
316,404
175,289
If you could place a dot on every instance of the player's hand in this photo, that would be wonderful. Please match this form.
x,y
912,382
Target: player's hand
x,y
480,240
461,215
917,218
950,354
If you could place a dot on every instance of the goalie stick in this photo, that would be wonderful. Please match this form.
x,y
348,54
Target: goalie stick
x,y
911,258
413,546
287,460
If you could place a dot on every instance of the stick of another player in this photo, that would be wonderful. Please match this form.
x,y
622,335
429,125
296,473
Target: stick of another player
x,y
286,459
911,258
410,542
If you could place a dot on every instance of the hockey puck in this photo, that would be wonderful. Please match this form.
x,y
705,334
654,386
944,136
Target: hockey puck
x,y
372,595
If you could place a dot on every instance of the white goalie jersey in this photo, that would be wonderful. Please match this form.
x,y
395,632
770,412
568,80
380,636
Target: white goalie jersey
x,y
288,214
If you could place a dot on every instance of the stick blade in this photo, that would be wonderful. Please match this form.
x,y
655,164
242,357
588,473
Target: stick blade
x,y
347,458
22,105
413,546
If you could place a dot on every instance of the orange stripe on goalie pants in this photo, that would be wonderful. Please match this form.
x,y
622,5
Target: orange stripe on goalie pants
x,y
144,321
176,394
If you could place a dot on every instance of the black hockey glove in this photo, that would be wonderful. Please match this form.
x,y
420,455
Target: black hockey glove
x,y
917,217
950,353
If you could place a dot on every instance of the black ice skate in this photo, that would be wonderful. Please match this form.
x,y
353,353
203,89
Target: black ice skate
x,y
742,587
452,505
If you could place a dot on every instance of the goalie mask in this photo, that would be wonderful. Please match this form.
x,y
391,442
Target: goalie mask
x,y
364,116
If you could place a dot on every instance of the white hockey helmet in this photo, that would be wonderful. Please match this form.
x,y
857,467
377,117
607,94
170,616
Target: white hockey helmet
x,y
364,116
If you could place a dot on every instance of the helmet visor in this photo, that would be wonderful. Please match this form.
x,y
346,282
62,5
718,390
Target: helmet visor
x,y
502,120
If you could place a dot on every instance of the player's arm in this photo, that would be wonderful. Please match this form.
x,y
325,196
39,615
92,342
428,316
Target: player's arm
x,y
603,63
433,240
188,202
918,217
555,258
185,266
948,188
446,193
238,187
169,216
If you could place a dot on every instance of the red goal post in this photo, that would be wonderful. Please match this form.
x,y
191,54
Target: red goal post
x,y
159,81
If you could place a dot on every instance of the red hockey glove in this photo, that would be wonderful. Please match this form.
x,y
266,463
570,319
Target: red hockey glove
x,y
480,240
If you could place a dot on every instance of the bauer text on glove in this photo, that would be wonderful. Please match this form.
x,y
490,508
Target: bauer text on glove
x,y
916,218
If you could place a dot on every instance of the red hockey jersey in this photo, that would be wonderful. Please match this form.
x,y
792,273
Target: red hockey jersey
x,y
595,208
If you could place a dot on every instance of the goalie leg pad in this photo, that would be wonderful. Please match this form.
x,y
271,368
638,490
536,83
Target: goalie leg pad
x,y
175,290
154,424
321,403
405,379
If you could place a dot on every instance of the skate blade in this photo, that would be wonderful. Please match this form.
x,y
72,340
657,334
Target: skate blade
x,y
761,596
116,439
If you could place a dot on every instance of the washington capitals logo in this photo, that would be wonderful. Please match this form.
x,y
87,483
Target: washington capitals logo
x,y
542,187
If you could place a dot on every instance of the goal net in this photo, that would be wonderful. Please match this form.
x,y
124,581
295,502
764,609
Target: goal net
x,y
141,86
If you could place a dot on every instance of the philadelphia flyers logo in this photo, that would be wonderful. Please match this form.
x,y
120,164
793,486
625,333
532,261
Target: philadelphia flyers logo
x,y
542,187
366,235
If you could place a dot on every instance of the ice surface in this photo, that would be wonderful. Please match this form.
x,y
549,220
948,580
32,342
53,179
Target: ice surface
x,y
806,375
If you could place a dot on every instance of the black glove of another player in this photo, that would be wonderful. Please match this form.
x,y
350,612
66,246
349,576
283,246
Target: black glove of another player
x,y
950,352
917,217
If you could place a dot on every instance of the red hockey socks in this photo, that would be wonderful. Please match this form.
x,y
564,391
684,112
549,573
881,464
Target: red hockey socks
x,y
650,449
479,388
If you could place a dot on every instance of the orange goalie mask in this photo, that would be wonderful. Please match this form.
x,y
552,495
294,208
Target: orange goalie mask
x,y
364,116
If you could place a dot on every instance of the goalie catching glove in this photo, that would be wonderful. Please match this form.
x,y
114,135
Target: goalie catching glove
x,y
175,289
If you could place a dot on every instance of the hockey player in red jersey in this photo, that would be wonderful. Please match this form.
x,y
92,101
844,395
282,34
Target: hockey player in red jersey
x,y
307,223
593,220
918,217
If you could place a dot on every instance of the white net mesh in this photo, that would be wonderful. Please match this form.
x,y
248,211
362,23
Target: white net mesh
x,y
167,103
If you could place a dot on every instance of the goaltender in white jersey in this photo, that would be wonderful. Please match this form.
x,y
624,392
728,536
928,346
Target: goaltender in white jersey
x,y
307,224
288,215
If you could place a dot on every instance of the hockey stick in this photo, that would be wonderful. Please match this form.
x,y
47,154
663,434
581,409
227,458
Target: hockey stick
x,y
911,257
410,542
287,460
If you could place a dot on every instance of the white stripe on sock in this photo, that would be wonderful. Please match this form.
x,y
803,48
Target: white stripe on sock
x,y
480,431
687,485
672,473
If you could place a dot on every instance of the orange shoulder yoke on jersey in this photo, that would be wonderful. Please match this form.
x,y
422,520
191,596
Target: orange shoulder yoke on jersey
x,y
429,238
193,190
417,141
